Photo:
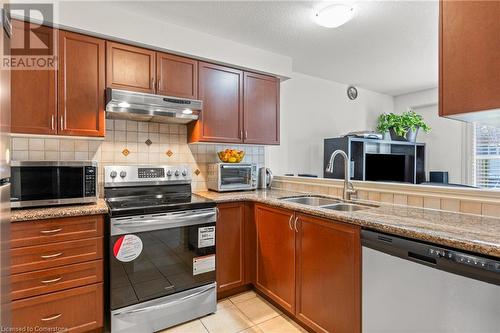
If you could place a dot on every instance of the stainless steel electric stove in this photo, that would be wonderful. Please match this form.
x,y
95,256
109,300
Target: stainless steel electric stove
x,y
161,248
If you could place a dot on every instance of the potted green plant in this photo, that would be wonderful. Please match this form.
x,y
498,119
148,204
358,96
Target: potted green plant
x,y
384,124
402,127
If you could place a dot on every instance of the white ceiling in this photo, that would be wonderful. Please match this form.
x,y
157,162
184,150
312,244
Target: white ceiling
x,y
390,46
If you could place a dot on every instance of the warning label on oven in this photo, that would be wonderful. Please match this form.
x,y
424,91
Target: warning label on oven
x,y
127,248
206,236
203,264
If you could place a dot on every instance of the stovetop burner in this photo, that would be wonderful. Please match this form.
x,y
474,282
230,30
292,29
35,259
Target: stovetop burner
x,y
133,195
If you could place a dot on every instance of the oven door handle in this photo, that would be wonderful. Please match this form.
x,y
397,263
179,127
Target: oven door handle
x,y
162,219
166,305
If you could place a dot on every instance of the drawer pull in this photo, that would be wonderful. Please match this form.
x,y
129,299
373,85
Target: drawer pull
x,y
53,231
52,318
51,281
49,256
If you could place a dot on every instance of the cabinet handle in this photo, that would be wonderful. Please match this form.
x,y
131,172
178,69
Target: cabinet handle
x,y
159,84
290,222
217,213
62,122
246,135
241,134
295,224
53,231
52,122
51,281
153,83
49,256
52,318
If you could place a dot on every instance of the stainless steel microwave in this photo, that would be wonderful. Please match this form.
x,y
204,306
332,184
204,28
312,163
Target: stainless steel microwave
x,y
47,183
224,177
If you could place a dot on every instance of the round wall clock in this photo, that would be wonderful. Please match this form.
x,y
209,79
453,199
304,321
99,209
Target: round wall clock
x,y
352,92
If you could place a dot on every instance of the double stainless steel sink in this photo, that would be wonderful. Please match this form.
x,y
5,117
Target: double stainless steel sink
x,y
327,203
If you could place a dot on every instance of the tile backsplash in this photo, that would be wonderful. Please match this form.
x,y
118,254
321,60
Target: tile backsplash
x,y
131,142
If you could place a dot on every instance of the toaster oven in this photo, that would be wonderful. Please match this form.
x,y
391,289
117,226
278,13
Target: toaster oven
x,y
223,177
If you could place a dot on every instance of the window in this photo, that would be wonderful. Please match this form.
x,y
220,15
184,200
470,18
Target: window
x,y
487,157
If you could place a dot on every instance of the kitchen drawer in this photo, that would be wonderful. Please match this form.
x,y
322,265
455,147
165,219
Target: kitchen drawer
x,y
55,279
77,310
30,258
31,233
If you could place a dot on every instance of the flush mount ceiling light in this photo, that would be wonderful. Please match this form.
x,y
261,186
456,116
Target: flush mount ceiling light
x,y
334,16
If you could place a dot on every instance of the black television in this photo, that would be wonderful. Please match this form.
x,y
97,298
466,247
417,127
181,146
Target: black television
x,y
389,167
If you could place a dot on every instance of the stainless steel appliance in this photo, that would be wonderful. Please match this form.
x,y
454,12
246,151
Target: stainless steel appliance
x,y
265,178
224,177
47,183
412,286
161,248
122,104
5,304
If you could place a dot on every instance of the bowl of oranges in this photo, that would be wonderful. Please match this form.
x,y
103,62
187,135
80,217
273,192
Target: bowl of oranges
x,y
231,155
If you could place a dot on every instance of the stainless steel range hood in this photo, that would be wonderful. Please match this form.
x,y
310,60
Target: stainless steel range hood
x,y
122,104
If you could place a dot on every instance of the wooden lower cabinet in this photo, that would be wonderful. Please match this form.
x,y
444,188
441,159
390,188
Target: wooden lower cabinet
x,y
77,310
328,275
57,274
230,246
275,267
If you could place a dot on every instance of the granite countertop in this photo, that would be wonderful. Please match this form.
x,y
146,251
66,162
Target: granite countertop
x,y
463,231
36,213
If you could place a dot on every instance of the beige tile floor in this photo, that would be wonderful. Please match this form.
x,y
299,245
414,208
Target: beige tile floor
x,y
246,312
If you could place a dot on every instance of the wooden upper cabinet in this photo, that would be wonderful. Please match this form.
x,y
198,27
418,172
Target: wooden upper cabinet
x,y
328,275
33,92
81,85
177,76
261,109
130,68
275,268
469,58
230,246
221,90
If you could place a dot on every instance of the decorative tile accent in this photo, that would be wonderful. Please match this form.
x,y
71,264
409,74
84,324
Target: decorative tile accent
x,y
148,142
125,152
169,153
197,172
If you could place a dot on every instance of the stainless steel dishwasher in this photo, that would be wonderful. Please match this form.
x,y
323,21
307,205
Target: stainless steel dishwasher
x,y
411,286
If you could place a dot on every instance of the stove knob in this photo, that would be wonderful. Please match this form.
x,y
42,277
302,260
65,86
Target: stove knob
x,y
184,172
112,174
177,173
123,174
169,173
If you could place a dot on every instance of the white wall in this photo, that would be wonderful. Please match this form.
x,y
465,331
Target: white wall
x,y
313,109
108,18
445,143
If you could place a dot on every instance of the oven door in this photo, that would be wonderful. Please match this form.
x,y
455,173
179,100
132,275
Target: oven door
x,y
234,177
152,256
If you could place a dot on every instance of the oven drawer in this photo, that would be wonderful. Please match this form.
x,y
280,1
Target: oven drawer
x,y
77,309
55,279
25,259
56,230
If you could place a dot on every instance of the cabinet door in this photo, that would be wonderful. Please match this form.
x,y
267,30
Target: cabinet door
x,y
229,246
221,90
33,92
177,76
130,68
275,269
261,109
81,85
469,57
328,275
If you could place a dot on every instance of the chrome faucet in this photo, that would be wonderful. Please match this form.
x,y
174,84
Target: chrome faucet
x,y
349,190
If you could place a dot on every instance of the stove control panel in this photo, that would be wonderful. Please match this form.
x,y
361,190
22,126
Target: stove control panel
x,y
132,175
